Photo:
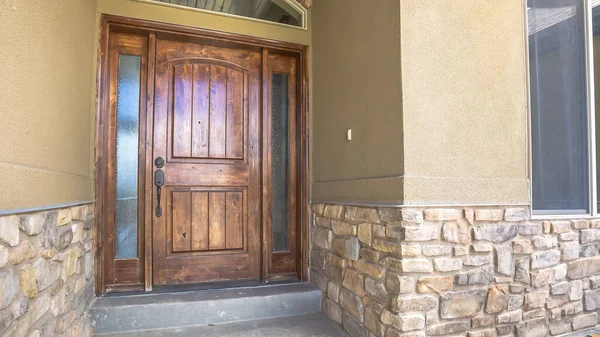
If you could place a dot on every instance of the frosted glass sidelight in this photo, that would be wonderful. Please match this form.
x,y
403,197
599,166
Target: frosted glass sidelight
x,y
559,109
280,160
128,107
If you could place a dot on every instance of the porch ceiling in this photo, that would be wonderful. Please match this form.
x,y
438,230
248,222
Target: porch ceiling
x,y
229,6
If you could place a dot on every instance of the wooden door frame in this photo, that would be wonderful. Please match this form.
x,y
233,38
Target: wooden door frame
x,y
110,24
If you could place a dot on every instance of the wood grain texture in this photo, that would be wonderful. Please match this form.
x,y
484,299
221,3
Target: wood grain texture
x,y
235,114
182,111
208,110
182,221
283,262
148,176
216,220
130,271
200,221
223,192
233,220
100,161
267,215
201,101
218,111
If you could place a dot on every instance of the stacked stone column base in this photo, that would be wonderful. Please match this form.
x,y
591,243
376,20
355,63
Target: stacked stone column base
x,y
475,272
46,273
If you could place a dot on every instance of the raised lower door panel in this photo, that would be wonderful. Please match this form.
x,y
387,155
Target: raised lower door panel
x,y
206,128
207,221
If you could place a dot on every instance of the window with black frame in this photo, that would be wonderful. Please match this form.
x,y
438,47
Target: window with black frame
x,y
562,122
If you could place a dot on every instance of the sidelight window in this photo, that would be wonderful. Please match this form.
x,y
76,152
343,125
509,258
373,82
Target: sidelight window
x,y
280,155
128,107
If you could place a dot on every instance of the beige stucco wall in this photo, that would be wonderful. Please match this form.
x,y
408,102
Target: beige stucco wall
x,y
47,108
357,85
443,124
46,81
464,95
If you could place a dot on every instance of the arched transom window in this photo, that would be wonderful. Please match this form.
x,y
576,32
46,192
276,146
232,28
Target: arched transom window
x,y
286,12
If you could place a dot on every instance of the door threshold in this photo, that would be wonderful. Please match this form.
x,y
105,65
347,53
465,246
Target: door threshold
x,y
200,287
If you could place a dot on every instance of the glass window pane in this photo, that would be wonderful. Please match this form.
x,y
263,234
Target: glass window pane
x,y
278,11
559,117
280,159
128,107
596,76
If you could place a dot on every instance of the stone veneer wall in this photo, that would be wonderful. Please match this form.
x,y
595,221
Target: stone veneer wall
x,y
46,273
476,272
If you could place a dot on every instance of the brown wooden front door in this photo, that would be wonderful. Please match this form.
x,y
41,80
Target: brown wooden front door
x,y
207,130
222,120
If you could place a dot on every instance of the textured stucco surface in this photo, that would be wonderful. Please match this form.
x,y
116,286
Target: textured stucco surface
x,y
435,94
464,95
46,81
357,85
47,107
206,20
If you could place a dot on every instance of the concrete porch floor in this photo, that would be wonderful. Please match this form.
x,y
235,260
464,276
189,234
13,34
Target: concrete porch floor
x,y
312,325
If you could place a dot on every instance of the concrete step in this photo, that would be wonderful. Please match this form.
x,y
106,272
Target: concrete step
x,y
200,308
311,325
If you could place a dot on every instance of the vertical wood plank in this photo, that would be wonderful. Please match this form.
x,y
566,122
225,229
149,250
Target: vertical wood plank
x,y
267,252
182,111
163,106
199,220
233,217
216,220
218,111
110,151
149,185
200,120
181,221
235,114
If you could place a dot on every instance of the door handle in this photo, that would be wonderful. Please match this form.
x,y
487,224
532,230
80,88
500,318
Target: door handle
x,y
159,181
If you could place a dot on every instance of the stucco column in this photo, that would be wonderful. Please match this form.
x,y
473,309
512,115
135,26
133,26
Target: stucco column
x,y
464,102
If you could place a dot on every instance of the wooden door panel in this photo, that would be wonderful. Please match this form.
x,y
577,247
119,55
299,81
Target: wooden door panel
x,y
208,236
209,110
185,269
206,220
207,127
207,174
